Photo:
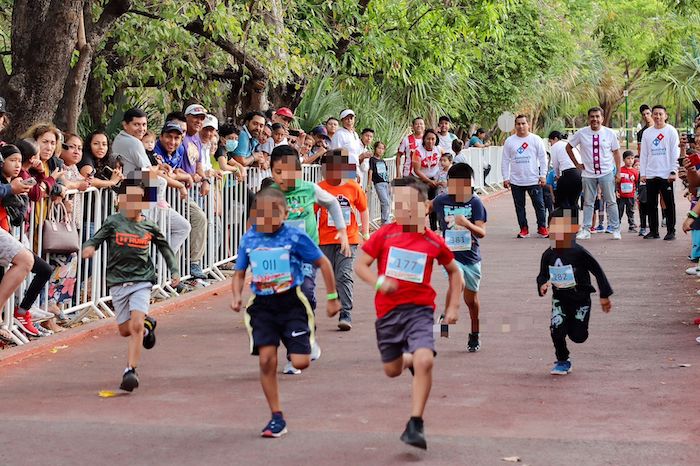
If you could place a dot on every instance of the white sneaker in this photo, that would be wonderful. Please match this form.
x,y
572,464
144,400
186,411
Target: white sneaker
x,y
583,234
697,339
40,314
616,234
315,351
291,370
692,271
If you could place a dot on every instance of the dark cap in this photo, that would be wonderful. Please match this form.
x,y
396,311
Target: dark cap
x,y
320,130
3,105
171,126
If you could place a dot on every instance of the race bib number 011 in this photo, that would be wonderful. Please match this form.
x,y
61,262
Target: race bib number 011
x,y
271,270
562,276
406,265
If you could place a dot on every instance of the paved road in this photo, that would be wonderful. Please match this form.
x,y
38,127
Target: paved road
x,y
627,401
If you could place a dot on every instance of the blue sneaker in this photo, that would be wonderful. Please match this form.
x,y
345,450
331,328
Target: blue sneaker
x,y
599,229
561,367
276,427
196,271
609,229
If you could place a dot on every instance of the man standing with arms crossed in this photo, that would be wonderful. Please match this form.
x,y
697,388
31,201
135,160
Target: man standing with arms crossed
x,y
600,167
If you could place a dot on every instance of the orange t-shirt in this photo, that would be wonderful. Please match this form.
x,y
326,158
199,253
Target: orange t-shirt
x,y
350,195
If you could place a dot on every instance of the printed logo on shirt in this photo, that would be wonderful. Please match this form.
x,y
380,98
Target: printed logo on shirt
x,y
522,148
658,139
134,241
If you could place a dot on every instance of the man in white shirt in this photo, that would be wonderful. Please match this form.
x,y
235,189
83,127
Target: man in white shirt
x,y
445,137
658,167
600,167
524,169
347,138
569,185
408,145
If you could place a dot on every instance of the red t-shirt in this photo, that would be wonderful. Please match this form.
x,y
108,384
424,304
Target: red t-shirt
x,y
628,182
412,256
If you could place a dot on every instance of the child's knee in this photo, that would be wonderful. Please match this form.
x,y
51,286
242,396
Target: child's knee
x,y
124,330
578,337
136,326
268,361
300,361
394,368
423,360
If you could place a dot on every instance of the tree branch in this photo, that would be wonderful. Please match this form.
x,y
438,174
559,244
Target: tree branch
x,y
112,11
344,44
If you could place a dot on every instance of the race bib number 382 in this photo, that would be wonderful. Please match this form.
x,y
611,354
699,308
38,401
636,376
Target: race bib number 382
x,y
406,265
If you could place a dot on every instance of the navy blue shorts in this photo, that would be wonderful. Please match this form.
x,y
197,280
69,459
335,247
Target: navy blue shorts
x,y
404,330
284,316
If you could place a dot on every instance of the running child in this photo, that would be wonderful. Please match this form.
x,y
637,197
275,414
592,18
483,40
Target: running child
x,y
462,219
445,164
278,310
625,190
405,300
130,271
339,180
566,266
301,197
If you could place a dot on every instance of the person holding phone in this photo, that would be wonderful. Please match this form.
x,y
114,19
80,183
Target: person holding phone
x,y
98,163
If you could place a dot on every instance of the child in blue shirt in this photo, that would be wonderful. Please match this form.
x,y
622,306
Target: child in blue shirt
x,y
548,191
278,310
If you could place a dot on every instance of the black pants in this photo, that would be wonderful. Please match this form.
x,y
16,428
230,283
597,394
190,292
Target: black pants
x,y
656,186
432,193
42,273
535,193
569,187
569,318
626,204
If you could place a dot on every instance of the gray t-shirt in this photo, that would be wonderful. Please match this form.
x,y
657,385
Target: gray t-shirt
x,y
130,151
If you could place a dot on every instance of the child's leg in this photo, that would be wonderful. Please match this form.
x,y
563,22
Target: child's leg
x,y
471,298
695,251
557,329
308,287
422,380
268,376
134,331
577,322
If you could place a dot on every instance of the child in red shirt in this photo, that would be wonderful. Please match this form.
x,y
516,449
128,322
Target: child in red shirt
x,y
405,300
625,190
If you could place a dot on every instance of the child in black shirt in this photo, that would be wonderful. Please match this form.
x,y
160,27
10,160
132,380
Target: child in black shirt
x,y
566,266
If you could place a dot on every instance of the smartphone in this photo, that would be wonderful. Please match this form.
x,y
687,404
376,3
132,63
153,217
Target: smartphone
x,y
294,132
694,160
29,182
107,172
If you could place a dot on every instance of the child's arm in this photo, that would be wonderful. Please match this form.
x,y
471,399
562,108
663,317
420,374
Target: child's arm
x,y
362,269
478,228
237,289
333,305
604,288
454,292
105,232
543,276
168,254
364,218
327,200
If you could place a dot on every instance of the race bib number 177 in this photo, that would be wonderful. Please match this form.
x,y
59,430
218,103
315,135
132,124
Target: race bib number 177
x,y
406,265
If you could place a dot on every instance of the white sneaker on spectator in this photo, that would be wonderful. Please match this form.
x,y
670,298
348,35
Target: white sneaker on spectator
x,y
692,271
291,370
616,234
583,234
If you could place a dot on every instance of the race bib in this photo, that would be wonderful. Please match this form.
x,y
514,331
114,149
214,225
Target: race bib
x,y
406,265
271,270
458,240
299,223
626,187
347,211
562,276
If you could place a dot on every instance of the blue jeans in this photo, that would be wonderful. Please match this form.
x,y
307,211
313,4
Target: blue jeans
x,y
382,190
590,191
535,192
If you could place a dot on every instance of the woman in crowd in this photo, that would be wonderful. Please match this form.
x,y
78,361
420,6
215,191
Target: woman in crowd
x,y
99,163
426,166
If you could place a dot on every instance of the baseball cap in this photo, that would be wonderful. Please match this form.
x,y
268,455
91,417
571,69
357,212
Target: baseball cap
x,y
346,113
195,109
210,121
320,130
3,105
285,112
171,126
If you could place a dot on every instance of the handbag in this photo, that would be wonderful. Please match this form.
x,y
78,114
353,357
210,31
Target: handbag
x,y
60,236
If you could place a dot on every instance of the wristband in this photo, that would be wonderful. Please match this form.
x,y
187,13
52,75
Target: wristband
x,y
692,214
380,282
332,296
365,236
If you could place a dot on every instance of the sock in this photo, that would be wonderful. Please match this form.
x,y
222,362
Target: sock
x,y
277,414
417,419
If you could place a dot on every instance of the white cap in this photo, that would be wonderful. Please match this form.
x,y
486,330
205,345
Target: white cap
x,y
345,113
210,121
195,109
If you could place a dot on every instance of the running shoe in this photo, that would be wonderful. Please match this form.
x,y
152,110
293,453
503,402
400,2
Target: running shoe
x,y
697,339
599,229
276,428
561,367
196,271
473,345
315,351
413,435
25,323
149,337
632,229
344,324
616,234
524,233
670,236
583,234
643,231
592,229
543,232
290,370
692,271
129,380
610,230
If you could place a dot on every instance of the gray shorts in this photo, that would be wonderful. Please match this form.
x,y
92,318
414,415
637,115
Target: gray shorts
x,y
404,330
9,248
128,297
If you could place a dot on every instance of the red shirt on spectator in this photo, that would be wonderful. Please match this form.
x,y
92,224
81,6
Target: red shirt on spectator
x,y
412,256
628,182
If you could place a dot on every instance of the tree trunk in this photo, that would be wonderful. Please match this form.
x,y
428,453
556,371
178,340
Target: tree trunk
x,y
43,39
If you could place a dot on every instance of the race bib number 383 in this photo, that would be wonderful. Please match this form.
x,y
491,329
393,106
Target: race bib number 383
x,y
406,265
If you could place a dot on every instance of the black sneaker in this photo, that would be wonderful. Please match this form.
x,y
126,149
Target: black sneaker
x,y
413,435
129,381
473,345
670,236
652,235
149,340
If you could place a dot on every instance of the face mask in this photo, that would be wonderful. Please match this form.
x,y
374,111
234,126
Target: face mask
x,y
231,145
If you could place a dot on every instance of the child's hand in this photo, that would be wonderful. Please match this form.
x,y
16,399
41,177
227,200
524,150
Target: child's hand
x,y
543,289
451,315
236,303
88,252
345,250
607,304
389,286
174,281
332,307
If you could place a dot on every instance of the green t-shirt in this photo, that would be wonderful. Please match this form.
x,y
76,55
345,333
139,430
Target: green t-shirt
x,y
300,202
129,255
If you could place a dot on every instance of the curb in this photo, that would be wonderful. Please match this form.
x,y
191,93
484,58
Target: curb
x,y
17,354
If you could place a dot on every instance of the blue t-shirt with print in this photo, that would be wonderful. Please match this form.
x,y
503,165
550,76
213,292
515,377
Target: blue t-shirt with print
x,y
474,140
551,178
461,241
247,144
275,259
